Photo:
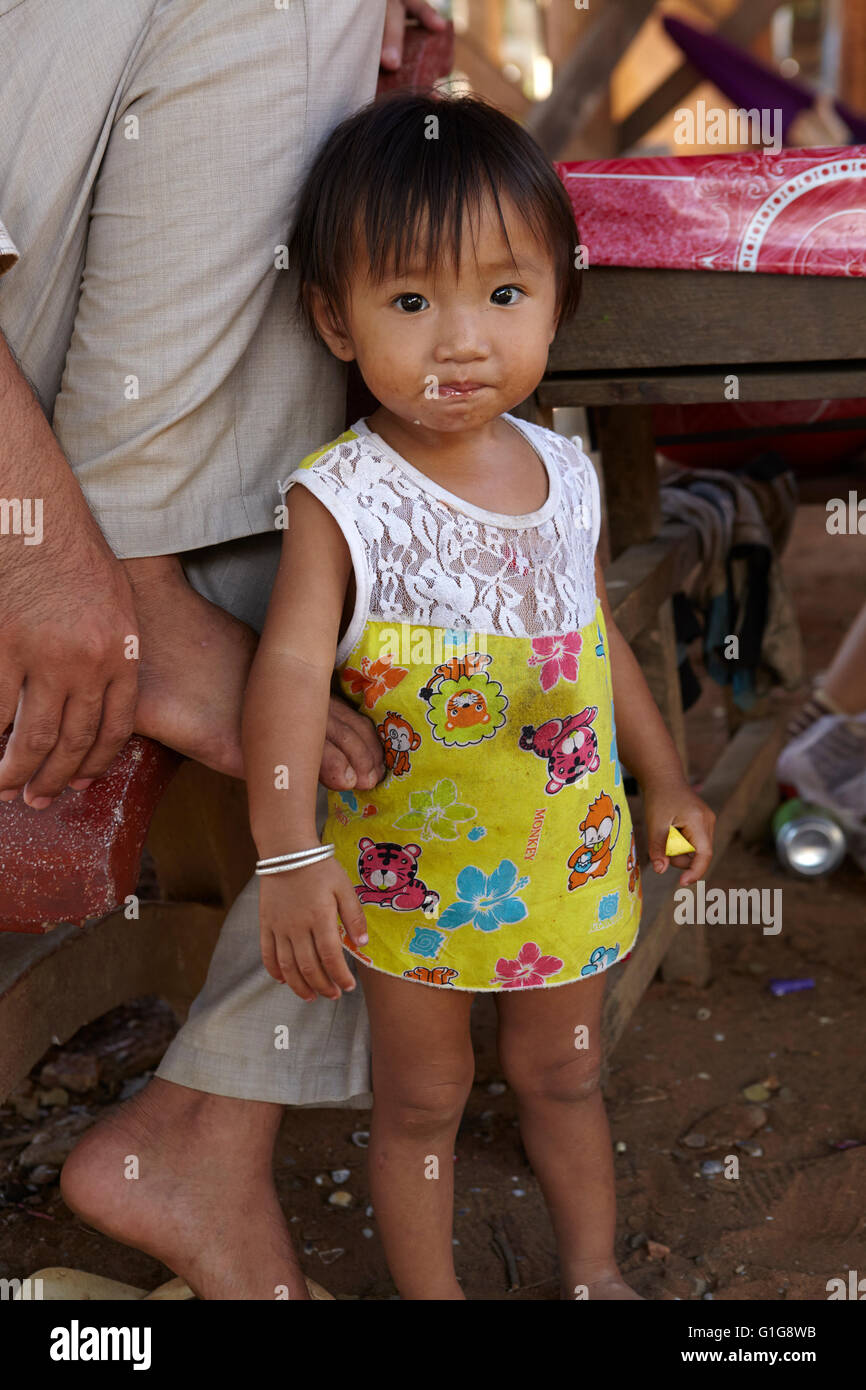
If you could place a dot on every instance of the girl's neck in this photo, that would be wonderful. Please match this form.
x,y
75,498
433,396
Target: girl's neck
x,y
493,467
438,453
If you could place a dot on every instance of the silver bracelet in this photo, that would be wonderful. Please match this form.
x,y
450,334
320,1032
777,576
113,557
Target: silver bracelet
x,y
286,858
283,862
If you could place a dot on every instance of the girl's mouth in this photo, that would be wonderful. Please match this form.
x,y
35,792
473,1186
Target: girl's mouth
x,y
460,389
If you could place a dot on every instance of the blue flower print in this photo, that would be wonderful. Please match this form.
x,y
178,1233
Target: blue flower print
x,y
599,648
601,958
427,941
349,799
614,756
486,901
608,905
476,833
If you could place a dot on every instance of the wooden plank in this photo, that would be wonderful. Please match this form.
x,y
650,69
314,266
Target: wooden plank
x,y
649,319
640,580
733,785
486,78
742,26
656,650
53,985
586,74
795,382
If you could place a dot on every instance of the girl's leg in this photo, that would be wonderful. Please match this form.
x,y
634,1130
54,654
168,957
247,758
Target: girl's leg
x,y
423,1068
564,1125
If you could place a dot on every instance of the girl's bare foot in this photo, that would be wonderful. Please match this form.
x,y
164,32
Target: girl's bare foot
x,y
599,1281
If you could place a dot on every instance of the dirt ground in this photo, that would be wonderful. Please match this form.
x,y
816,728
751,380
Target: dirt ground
x,y
795,1217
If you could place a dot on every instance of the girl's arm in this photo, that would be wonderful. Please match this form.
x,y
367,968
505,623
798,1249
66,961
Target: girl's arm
x,y
648,751
283,733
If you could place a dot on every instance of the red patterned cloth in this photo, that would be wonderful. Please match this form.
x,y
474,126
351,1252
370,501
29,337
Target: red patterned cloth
x,y
799,212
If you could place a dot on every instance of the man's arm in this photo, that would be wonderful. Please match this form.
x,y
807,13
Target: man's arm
x,y
68,667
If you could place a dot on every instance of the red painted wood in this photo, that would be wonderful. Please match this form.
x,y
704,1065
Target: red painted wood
x,y
80,857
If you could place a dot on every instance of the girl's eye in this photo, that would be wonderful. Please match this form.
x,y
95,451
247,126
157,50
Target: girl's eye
x,y
411,303
506,290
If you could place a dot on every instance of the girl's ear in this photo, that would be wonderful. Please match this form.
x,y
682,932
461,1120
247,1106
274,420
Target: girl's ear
x,y
330,331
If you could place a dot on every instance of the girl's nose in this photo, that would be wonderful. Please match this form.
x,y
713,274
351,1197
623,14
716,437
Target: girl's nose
x,y
462,342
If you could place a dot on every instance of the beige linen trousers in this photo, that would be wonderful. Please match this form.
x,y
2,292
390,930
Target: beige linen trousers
x,y
151,154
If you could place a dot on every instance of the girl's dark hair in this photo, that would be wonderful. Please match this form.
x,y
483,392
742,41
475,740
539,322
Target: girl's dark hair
x,y
393,175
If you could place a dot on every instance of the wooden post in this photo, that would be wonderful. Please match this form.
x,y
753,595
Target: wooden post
x,y
585,75
853,83
625,440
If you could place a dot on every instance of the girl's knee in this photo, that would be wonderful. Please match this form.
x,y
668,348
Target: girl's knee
x,y
570,1082
429,1109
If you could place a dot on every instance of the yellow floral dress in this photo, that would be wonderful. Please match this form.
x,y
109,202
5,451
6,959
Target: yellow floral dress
x,y
498,852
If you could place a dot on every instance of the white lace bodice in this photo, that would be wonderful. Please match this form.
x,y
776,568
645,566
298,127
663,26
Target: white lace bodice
x,y
422,555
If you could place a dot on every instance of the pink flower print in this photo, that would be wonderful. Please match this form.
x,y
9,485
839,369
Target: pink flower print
x,y
528,970
557,657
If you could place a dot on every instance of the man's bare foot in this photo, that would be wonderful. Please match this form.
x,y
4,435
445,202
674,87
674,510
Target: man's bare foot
x,y
195,659
186,1177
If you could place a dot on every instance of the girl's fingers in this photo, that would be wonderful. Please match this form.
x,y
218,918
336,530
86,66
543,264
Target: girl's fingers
x,y
269,955
352,916
289,973
333,958
700,861
312,971
701,836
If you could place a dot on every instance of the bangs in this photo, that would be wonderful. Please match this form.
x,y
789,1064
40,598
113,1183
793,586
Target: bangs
x,y
397,184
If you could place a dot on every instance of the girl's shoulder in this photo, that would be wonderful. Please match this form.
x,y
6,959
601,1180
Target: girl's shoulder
x,y
567,450
338,462
580,497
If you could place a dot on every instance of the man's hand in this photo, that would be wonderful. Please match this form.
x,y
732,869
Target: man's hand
x,y
352,755
68,671
67,679
395,24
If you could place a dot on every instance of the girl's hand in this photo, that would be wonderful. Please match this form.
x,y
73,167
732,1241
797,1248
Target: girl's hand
x,y
300,936
670,803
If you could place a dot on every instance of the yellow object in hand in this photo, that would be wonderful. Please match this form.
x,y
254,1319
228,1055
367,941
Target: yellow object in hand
x,y
677,843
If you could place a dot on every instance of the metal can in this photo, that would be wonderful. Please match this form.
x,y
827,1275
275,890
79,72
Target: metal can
x,y
809,840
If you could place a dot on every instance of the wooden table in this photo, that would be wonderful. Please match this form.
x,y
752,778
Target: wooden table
x,y
643,337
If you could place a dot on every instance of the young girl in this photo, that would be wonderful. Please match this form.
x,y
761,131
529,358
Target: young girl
x,y
439,561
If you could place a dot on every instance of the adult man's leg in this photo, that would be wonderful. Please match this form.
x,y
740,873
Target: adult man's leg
x,y
204,1200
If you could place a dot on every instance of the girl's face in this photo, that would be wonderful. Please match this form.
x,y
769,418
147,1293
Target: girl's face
x,y
451,354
